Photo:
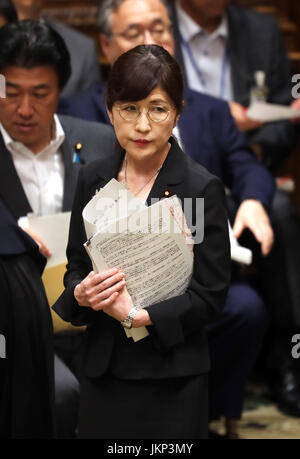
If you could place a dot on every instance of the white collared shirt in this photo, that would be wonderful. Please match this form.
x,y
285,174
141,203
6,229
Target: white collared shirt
x,y
41,174
176,134
208,50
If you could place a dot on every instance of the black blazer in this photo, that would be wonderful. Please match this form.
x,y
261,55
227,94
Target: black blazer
x,y
96,139
177,343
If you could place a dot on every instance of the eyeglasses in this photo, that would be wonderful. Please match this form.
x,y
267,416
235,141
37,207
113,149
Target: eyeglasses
x,y
136,33
156,113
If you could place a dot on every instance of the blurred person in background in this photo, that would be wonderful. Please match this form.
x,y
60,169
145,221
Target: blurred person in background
x,y
26,363
84,58
40,157
221,47
7,12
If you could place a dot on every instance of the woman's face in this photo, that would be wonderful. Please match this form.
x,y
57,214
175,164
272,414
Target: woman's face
x,y
144,138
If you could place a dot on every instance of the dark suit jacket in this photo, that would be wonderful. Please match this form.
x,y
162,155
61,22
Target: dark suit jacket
x,y
177,343
255,43
26,323
209,135
14,241
84,58
96,140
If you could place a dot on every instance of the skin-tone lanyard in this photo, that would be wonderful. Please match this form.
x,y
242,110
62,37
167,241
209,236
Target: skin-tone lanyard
x,y
197,69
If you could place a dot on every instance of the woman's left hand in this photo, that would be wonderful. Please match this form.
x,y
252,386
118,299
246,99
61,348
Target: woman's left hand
x,y
121,306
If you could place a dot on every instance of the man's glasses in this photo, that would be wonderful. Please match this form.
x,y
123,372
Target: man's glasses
x,y
156,113
136,33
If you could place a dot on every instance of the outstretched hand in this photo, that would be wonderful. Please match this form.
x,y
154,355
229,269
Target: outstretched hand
x,y
239,113
296,106
43,248
252,215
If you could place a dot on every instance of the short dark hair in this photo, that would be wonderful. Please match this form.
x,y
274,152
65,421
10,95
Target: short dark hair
x,y
8,10
31,44
138,71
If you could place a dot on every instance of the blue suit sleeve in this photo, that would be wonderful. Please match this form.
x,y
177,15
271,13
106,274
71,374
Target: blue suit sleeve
x,y
242,172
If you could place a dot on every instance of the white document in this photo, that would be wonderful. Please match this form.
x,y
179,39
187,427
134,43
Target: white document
x,y
158,263
54,230
152,246
265,112
239,253
109,204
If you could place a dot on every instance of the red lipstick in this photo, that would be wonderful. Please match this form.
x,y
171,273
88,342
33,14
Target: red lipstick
x,y
141,142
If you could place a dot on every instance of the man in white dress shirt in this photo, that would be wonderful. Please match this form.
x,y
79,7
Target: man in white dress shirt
x,y
221,47
205,49
41,153
33,134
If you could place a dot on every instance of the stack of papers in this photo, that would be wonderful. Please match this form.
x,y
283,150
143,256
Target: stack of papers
x,y
239,253
151,245
54,230
262,111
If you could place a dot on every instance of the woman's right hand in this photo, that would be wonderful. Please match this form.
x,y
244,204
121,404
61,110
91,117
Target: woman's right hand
x,y
99,290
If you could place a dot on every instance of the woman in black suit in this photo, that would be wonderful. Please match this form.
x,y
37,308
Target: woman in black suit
x,y
156,387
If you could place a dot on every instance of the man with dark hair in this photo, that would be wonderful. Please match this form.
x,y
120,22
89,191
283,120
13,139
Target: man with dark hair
x,y
38,170
208,134
84,58
238,54
7,12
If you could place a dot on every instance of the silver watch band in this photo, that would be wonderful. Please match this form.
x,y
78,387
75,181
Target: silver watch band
x,y
131,315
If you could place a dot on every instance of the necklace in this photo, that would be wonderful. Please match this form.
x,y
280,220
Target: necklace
x,y
145,184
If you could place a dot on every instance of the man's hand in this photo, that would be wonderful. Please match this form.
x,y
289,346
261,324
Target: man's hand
x,y
239,113
43,248
251,214
296,106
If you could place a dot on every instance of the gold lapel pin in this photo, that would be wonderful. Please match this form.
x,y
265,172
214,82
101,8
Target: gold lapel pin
x,y
76,156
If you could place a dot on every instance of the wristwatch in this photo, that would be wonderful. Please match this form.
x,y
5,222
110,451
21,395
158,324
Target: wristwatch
x,y
127,323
